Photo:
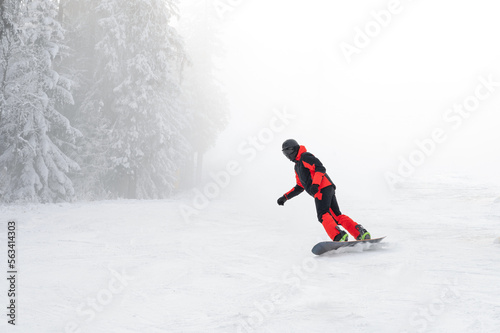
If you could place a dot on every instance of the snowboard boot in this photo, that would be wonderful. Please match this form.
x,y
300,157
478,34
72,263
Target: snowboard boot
x,y
363,233
342,236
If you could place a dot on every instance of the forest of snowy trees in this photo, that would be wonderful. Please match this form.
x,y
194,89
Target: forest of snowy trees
x,y
104,99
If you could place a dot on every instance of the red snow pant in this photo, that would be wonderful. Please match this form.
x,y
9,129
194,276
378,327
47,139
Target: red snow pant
x,y
330,216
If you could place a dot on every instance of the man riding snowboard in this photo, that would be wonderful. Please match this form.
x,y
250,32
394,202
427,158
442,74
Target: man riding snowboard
x,y
311,176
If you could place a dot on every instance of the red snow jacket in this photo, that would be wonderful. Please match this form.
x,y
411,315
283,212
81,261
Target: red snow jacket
x,y
308,171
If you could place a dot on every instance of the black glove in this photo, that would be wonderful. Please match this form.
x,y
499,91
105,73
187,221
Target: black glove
x,y
281,201
314,189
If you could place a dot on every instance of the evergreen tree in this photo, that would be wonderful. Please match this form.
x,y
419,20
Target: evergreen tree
x,y
33,133
80,22
130,116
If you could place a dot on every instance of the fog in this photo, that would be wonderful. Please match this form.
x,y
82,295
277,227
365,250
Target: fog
x,y
367,85
398,98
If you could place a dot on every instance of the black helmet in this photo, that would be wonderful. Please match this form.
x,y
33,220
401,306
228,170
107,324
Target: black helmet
x,y
290,148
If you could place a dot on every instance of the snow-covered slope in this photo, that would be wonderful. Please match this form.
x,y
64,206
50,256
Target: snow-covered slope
x,y
139,266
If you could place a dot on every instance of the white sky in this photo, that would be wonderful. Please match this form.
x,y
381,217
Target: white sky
x,y
360,117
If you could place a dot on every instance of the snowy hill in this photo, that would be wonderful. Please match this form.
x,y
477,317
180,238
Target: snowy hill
x,y
139,266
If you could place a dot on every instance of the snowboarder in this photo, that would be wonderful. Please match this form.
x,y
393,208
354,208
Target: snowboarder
x,y
311,176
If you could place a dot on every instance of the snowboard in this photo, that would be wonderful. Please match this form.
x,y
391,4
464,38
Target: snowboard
x,y
323,247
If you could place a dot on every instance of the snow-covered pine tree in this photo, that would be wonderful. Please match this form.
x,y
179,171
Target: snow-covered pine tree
x,y
134,99
33,133
79,21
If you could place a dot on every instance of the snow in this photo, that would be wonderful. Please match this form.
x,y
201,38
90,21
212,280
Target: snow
x,y
245,265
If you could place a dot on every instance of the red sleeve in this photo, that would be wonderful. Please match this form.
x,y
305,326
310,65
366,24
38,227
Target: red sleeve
x,y
318,177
